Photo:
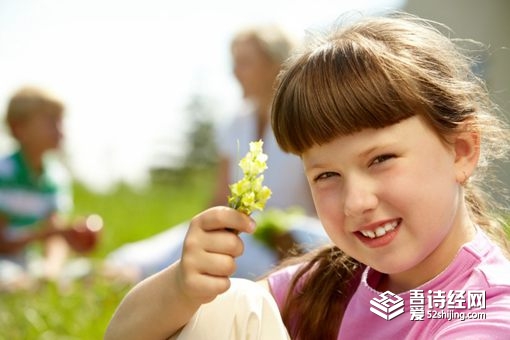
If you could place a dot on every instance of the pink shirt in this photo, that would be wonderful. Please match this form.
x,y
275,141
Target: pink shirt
x,y
478,267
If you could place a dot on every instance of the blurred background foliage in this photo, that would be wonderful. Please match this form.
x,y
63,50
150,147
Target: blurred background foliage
x,y
82,309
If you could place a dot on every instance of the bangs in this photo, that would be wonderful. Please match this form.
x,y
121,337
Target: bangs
x,y
339,90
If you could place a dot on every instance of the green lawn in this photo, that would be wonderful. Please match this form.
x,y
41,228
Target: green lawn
x,y
83,309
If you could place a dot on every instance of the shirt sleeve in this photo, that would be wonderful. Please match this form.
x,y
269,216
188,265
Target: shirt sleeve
x,y
279,283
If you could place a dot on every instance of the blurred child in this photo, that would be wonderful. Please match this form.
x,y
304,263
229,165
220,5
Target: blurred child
x,y
35,192
393,129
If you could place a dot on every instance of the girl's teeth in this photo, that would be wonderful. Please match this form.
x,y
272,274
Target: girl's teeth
x,y
390,226
368,233
380,231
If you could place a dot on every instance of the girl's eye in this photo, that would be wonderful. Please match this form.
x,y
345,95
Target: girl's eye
x,y
324,175
382,158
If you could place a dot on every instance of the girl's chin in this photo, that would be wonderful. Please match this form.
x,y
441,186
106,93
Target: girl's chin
x,y
391,266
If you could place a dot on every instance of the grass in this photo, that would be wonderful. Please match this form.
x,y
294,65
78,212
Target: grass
x,y
83,309
131,215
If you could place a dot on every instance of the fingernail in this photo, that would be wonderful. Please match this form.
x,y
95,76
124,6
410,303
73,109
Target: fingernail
x,y
253,224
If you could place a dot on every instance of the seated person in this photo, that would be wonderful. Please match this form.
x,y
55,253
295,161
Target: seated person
x,y
257,53
35,191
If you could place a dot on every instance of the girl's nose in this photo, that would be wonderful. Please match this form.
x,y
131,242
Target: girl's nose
x,y
359,198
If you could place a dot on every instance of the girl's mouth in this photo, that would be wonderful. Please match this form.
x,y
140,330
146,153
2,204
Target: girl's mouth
x,y
381,230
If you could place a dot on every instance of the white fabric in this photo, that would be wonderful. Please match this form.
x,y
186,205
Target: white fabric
x,y
245,312
157,252
284,175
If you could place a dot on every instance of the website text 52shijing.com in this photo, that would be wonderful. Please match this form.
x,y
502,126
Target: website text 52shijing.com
x,y
452,315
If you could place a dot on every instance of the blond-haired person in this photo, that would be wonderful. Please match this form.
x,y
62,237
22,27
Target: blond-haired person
x,y
258,53
34,187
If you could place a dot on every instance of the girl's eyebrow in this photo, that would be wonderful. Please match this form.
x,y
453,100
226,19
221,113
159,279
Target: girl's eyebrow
x,y
374,148
367,152
314,165
320,164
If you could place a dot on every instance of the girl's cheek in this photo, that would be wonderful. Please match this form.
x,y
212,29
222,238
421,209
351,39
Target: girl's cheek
x,y
327,202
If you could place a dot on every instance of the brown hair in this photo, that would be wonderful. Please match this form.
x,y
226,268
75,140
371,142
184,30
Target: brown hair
x,y
372,74
30,100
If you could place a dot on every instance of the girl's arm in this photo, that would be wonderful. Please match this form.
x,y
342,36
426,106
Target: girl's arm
x,y
153,309
159,306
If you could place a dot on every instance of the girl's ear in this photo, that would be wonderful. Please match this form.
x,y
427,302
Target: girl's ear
x,y
467,153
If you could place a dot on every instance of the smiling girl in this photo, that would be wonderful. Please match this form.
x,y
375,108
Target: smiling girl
x,y
393,130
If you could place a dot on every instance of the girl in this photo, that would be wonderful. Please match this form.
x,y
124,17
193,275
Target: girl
x,y
393,130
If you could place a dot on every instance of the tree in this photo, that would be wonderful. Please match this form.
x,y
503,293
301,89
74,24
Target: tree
x,y
202,151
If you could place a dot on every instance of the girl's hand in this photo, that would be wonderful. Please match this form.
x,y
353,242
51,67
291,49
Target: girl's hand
x,y
209,252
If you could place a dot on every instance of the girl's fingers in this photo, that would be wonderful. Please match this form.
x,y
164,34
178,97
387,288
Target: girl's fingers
x,y
218,241
206,275
209,252
201,287
217,265
222,218
224,242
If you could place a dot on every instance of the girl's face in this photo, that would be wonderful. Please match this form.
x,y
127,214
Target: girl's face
x,y
390,198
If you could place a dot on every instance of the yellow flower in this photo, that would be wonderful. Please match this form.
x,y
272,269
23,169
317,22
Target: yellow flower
x,y
249,194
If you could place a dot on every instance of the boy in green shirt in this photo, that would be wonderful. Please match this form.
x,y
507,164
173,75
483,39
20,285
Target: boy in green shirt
x,y
34,189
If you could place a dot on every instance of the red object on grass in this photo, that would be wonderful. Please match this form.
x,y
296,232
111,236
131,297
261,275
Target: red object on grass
x,y
83,237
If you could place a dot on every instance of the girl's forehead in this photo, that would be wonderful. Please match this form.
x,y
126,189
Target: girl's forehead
x,y
413,129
